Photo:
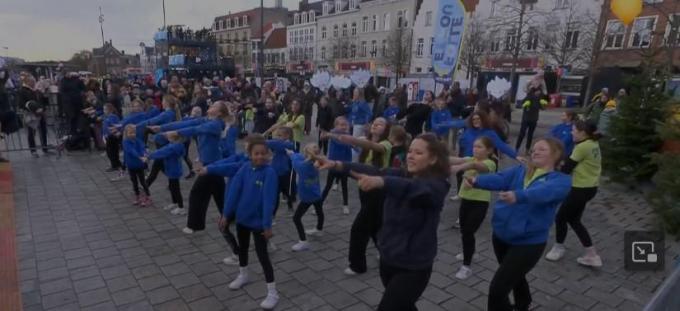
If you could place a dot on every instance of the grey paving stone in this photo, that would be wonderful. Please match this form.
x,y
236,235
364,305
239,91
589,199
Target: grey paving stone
x,y
146,271
55,286
182,280
173,305
128,296
153,282
93,297
121,283
194,292
209,303
161,295
58,299
84,285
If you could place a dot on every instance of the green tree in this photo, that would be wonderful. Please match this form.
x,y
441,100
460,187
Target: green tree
x,y
666,196
633,136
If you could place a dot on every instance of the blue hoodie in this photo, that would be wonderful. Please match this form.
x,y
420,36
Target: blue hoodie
x,y
108,121
164,117
252,194
152,112
308,186
209,134
562,132
171,155
359,113
412,208
132,118
467,139
228,141
186,122
439,119
528,221
228,167
390,114
133,150
338,151
280,161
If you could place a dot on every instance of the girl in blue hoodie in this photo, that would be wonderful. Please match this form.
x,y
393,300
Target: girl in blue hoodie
x,y
136,115
359,113
208,133
282,166
171,154
562,131
110,118
528,197
390,114
133,155
338,151
170,113
251,199
414,198
309,191
440,118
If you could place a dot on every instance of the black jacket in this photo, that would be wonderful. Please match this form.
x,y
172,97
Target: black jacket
x,y
263,121
417,114
25,94
324,118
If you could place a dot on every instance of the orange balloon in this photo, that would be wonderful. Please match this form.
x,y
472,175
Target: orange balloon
x,y
626,10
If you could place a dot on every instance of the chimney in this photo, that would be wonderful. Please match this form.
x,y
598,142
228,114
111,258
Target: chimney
x,y
122,52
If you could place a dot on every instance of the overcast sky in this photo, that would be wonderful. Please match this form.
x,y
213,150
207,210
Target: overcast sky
x,y
55,29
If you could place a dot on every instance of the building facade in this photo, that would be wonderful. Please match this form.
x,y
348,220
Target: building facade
x,y
356,35
147,58
235,33
109,60
302,38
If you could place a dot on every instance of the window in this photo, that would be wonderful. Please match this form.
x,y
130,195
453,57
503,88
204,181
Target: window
x,y
335,31
353,51
240,22
323,32
428,18
641,35
323,53
375,22
561,4
352,4
224,23
571,41
374,48
338,6
326,8
431,45
652,1
344,30
419,70
245,20
312,16
419,47
365,25
386,21
354,28
400,19
304,18
510,38
614,33
362,52
492,12
671,37
384,48
532,39
345,51
335,51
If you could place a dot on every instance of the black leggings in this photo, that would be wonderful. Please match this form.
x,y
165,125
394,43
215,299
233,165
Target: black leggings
x,y
301,210
42,132
323,144
365,227
471,215
529,126
175,192
570,213
287,189
205,187
229,237
112,151
334,176
243,234
515,261
137,178
403,287
156,168
187,144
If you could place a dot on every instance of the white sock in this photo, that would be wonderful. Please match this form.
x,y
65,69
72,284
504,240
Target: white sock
x,y
590,251
559,246
271,288
243,271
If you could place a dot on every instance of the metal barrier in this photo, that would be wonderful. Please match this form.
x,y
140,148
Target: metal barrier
x,y
55,126
667,296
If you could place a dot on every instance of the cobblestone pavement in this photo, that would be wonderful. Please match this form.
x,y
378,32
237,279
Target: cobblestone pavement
x,y
82,246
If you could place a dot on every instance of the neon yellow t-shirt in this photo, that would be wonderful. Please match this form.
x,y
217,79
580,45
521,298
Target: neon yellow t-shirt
x,y
475,194
587,172
386,155
298,126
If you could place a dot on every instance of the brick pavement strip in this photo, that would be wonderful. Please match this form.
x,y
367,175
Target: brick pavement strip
x,y
81,245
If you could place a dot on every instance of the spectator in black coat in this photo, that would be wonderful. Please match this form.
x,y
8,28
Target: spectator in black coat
x,y
265,115
324,122
34,113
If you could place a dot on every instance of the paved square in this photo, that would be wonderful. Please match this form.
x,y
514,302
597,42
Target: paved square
x,y
83,246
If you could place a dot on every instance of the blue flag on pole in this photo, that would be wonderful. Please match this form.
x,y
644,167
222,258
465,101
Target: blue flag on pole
x,y
448,37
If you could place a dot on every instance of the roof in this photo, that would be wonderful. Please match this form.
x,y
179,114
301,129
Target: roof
x,y
277,39
251,13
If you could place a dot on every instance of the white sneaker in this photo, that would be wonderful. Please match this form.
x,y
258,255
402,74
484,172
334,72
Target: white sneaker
x,y
314,212
556,252
335,187
459,257
463,273
454,198
170,206
313,232
231,260
456,225
241,279
300,246
349,271
591,261
118,177
179,211
272,246
270,301
345,209
187,230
